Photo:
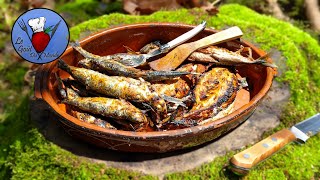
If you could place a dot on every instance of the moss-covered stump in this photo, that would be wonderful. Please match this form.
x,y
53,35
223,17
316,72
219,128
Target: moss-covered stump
x,y
29,155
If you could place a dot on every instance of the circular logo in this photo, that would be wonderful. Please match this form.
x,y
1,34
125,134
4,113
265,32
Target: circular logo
x,y
40,35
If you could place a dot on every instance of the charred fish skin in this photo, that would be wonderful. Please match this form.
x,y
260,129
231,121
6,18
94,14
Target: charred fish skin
x,y
116,86
113,67
215,91
85,117
107,107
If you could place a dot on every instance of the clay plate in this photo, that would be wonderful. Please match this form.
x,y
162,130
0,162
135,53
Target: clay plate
x,y
110,41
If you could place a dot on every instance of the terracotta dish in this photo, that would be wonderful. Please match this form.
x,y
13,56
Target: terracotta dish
x,y
46,100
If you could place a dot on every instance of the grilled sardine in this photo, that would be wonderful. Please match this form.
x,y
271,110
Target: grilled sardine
x,y
214,92
116,86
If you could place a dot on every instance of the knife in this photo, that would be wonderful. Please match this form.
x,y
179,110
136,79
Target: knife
x,y
137,60
242,162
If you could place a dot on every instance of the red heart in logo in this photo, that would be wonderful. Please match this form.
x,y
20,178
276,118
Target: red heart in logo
x,y
40,40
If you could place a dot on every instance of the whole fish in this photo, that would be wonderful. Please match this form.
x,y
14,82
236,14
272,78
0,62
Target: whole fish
x,y
118,87
107,107
223,56
215,92
113,67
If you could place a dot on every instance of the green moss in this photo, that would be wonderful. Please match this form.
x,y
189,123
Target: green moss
x,y
31,156
15,75
26,154
36,158
82,10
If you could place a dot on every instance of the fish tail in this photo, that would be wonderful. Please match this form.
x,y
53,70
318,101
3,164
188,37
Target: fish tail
x,y
76,45
269,65
61,89
71,94
261,60
64,66
163,75
265,63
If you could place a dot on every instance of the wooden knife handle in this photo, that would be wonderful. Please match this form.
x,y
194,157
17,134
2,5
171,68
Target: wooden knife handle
x,y
219,37
242,162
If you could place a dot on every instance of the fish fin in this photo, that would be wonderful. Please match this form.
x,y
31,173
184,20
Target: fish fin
x,y
64,66
132,127
147,106
130,51
71,94
243,82
76,45
173,100
85,63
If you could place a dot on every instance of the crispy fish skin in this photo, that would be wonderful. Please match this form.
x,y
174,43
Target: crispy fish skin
x,y
179,88
196,69
85,117
223,56
107,107
214,92
113,67
116,86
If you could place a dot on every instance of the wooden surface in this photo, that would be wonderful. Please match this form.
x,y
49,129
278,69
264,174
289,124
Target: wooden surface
x,y
175,57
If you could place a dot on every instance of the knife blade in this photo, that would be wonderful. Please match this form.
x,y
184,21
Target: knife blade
x,y
242,162
179,40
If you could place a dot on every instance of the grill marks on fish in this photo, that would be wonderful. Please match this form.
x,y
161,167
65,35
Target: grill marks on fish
x,y
117,86
214,92
110,65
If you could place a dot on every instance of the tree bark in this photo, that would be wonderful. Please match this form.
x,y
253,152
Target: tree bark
x,y
276,10
313,14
